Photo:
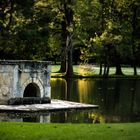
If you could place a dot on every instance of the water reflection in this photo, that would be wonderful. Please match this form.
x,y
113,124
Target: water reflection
x,y
119,101
54,117
25,117
118,98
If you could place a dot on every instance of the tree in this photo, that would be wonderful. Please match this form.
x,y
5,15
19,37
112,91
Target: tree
x,y
64,22
9,20
6,21
87,22
25,29
129,17
135,35
35,31
103,42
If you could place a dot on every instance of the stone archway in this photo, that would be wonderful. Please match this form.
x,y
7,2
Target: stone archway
x,y
35,84
32,90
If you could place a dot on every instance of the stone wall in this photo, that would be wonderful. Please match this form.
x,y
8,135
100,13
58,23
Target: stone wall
x,y
16,75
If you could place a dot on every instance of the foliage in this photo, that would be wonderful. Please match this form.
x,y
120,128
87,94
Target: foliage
x,y
92,30
27,32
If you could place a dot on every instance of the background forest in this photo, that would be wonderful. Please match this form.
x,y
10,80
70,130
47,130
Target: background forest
x,y
103,32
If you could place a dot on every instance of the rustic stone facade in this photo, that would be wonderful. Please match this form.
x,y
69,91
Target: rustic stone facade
x,y
24,78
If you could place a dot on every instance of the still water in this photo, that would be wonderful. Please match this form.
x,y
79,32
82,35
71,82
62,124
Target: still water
x,y
118,100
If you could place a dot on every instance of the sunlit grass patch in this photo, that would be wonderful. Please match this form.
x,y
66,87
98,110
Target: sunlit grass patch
x,y
84,70
38,131
92,70
55,68
130,70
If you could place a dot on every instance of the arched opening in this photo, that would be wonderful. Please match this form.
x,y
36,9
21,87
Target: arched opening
x,y
32,90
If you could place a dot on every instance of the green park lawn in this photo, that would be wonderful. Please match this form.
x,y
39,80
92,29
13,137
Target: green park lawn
x,y
92,70
50,131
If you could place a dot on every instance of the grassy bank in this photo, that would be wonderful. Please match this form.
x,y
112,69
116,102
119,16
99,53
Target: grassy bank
x,y
36,131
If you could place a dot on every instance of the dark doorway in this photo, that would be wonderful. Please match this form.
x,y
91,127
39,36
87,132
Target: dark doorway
x,y
32,90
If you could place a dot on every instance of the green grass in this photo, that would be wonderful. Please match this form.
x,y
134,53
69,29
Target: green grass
x,y
92,70
37,131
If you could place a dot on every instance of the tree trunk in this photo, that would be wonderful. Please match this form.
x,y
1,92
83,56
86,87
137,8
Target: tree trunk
x,y
66,64
135,70
117,64
106,61
69,69
107,72
69,65
134,19
118,69
105,67
63,39
63,66
100,73
117,61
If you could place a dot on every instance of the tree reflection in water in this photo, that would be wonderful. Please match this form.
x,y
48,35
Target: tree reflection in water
x,y
117,98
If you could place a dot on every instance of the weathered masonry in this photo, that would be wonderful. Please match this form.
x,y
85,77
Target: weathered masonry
x,y
20,79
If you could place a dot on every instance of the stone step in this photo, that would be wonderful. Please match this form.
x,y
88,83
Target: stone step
x,y
28,100
55,105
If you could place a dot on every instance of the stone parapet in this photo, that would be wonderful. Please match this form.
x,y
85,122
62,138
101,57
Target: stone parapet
x,y
24,78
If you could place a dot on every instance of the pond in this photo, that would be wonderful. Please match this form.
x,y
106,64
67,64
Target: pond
x,y
118,100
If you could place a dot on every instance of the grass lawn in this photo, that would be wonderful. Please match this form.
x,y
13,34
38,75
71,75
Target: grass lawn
x,y
92,70
37,131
